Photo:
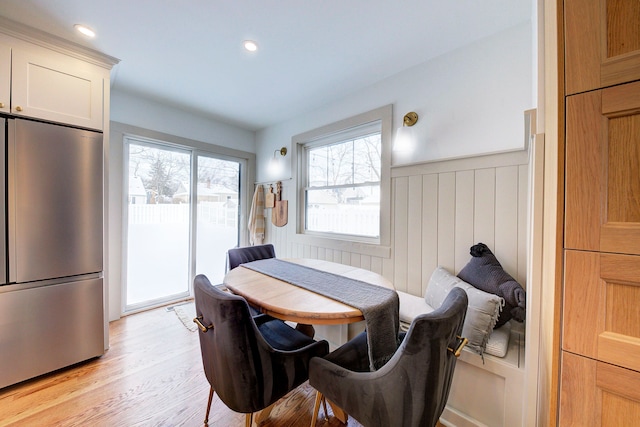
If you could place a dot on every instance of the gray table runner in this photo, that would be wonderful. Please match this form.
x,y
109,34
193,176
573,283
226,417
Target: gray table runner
x,y
379,305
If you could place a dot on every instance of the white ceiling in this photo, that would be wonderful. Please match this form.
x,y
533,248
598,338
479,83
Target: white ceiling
x,y
189,54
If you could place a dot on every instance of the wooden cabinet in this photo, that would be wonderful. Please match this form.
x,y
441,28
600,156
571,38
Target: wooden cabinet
x,y
602,43
600,366
51,86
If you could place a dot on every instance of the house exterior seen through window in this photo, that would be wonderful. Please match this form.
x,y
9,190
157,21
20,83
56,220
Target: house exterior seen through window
x,y
342,183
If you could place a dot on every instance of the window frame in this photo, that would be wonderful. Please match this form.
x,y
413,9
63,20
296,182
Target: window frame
x,y
343,130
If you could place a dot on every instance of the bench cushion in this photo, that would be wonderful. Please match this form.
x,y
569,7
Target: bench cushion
x,y
498,342
411,306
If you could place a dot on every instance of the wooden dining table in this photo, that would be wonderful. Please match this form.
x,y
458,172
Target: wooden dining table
x,y
290,302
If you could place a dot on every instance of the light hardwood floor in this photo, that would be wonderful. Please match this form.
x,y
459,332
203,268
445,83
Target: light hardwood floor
x,y
150,376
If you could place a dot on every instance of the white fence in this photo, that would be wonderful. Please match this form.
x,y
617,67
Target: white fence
x,y
354,220
211,213
360,221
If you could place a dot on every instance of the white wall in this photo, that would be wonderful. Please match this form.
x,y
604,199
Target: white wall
x,y
470,101
146,114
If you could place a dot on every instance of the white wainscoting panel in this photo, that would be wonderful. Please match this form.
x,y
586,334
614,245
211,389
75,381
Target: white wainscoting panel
x,y
438,215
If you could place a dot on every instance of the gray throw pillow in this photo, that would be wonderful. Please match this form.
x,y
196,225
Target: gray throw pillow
x,y
482,313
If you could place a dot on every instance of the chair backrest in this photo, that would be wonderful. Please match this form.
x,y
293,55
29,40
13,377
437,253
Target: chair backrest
x,y
237,256
427,352
238,361
412,388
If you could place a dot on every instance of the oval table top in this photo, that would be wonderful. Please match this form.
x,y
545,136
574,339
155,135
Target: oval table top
x,y
289,302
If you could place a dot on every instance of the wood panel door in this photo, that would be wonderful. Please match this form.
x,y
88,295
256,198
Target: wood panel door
x,y
594,393
602,211
601,315
602,43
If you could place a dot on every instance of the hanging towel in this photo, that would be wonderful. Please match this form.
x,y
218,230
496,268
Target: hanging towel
x,y
256,217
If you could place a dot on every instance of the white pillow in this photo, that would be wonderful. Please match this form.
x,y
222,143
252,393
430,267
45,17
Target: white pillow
x,y
482,312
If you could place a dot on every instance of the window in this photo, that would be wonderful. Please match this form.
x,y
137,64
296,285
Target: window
x,y
343,179
342,194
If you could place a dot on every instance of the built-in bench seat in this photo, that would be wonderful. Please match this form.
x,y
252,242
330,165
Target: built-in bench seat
x,y
500,343
487,390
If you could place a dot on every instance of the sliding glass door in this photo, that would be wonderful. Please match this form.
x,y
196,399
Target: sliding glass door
x,y
170,234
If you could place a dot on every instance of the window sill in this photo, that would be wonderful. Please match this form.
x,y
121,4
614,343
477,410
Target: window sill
x,y
362,248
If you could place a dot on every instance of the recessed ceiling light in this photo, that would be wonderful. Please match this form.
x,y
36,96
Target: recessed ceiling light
x,y
83,29
250,45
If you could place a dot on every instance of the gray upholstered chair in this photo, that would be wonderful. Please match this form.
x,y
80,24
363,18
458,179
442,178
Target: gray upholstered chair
x,y
249,362
412,388
237,256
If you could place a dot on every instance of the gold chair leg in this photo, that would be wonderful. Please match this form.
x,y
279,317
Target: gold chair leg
x,y
324,405
206,416
248,420
339,413
264,414
316,408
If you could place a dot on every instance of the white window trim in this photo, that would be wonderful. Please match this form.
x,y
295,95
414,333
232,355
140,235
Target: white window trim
x,y
348,243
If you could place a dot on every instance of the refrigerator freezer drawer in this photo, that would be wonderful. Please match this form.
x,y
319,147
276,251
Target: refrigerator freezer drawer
x,y
49,327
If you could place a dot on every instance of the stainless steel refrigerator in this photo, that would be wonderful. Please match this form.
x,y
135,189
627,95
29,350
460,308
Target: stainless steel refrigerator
x,y
51,242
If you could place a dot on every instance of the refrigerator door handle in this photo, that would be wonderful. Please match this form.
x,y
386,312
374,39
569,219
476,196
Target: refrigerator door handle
x,y
3,212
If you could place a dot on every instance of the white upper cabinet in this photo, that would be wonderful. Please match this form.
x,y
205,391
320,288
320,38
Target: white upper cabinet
x,y
47,78
55,87
5,78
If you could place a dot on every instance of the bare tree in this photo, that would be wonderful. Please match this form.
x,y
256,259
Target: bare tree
x,y
161,171
348,162
217,171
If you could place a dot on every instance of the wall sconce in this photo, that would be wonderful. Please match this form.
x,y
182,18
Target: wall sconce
x,y
276,162
404,135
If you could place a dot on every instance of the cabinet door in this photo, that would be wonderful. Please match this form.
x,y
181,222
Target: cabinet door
x,y
56,87
601,316
595,394
5,78
602,166
602,43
